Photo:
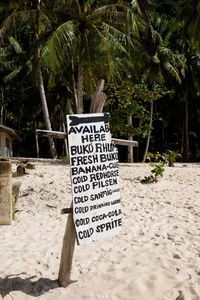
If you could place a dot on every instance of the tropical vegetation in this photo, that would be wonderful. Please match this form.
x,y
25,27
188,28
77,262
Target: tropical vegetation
x,y
139,60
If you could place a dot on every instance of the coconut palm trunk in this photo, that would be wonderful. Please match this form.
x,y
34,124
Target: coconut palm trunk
x,y
2,106
130,138
149,133
46,113
187,147
129,118
143,5
77,89
42,90
79,107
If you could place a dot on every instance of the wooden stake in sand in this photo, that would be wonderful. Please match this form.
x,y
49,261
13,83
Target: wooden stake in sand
x,y
5,191
67,250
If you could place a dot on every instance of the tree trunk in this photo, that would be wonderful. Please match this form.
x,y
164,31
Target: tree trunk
x,y
149,133
79,107
144,12
129,118
182,138
98,98
130,138
2,104
64,130
187,147
74,85
164,142
41,87
36,140
46,113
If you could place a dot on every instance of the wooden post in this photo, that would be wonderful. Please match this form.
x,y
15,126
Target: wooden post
x,y
36,141
65,140
5,191
67,252
130,148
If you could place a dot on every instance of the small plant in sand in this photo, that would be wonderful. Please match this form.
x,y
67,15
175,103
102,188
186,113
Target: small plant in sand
x,y
39,175
157,161
155,157
171,157
158,169
64,157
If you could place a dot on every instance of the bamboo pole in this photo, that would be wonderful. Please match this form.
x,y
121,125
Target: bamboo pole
x,y
5,191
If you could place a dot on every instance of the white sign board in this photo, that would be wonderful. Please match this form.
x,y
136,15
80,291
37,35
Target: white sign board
x,y
95,177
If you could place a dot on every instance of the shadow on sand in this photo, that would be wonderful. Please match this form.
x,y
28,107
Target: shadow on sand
x,y
28,285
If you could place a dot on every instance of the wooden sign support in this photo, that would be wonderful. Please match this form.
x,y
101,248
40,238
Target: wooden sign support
x,y
67,250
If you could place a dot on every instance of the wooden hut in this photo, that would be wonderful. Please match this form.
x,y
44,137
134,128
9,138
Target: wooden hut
x,y
6,136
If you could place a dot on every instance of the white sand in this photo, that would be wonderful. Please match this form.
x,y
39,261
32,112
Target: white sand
x,y
156,256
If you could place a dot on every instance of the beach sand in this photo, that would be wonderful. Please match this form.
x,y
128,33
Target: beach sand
x,y
155,257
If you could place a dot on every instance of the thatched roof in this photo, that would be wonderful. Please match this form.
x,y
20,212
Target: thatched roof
x,y
10,131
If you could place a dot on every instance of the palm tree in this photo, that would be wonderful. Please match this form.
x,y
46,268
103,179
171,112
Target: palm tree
x,y
190,84
40,80
138,23
144,7
159,61
14,65
189,15
31,12
87,43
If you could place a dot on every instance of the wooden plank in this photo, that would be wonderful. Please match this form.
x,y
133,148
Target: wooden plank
x,y
67,252
66,211
125,142
62,135
53,134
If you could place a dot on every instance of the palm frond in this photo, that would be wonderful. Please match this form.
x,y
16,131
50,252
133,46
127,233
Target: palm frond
x,y
8,65
118,41
173,71
16,46
12,75
105,44
29,67
61,44
45,53
136,24
166,52
189,15
3,52
108,10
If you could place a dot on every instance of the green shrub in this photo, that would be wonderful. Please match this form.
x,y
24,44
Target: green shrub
x,y
171,157
64,157
158,169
